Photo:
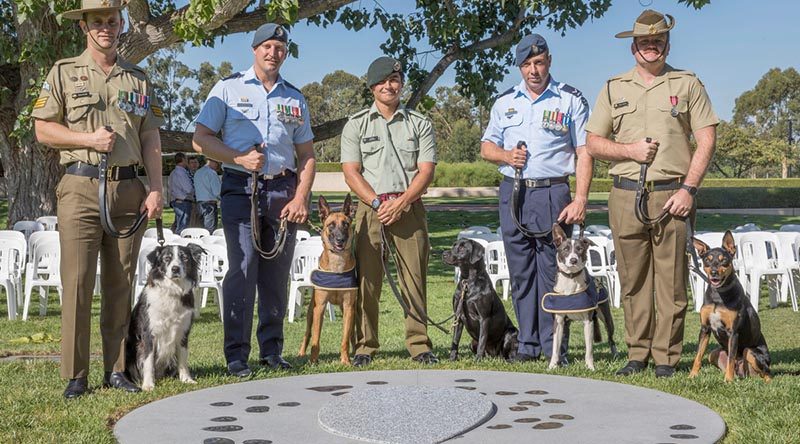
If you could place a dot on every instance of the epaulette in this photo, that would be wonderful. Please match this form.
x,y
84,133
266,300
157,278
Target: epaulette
x,y
235,75
569,89
65,61
505,93
292,86
359,114
416,113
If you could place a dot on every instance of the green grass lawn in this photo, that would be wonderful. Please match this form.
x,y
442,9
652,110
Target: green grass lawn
x,y
35,412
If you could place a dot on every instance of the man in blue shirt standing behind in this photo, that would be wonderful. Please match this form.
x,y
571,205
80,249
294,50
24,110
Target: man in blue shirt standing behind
x,y
549,117
206,189
265,124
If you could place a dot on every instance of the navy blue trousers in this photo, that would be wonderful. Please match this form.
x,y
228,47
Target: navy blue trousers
x,y
248,272
532,261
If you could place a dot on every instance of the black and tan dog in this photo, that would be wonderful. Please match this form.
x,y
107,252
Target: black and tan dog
x,y
729,316
334,280
477,306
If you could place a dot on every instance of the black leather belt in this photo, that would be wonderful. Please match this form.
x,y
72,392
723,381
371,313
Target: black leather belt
x,y
623,183
539,183
115,173
242,174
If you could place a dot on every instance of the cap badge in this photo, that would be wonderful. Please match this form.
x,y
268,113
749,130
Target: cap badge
x,y
278,31
105,3
652,29
396,66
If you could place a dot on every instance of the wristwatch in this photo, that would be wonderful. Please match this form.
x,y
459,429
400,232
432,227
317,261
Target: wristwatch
x,y
692,190
375,204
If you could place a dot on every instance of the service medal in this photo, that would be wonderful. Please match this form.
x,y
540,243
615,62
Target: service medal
x,y
674,101
544,118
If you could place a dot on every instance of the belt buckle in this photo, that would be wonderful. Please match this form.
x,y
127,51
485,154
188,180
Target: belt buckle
x,y
649,185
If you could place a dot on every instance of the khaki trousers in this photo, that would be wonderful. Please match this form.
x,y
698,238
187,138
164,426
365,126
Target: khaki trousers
x,y
410,238
651,262
82,238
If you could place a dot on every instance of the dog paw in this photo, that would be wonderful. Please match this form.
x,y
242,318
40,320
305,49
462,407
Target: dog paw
x,y
693,374
590,366
552,366
188,380
454,356
148,387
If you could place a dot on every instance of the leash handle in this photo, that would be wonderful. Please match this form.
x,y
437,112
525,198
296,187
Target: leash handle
x,y
105,215
514,203
642,194
160,231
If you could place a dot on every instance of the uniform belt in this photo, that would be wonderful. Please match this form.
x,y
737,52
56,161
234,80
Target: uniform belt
x,y
623,183
391,196
183,200
284,173
540,183
115,173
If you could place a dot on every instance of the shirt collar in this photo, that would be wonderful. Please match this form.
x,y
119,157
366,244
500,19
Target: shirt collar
x,y
249,76
401,110
85,59
552,89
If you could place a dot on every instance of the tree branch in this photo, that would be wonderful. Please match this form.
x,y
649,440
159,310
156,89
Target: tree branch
x,y
458,53
138,13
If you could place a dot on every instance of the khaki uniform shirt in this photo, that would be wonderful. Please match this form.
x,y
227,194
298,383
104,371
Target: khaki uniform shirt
x,y
388,150
628,110
79,95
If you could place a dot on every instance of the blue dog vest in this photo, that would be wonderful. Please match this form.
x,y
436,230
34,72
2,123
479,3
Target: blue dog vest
x,y
573,303
328,280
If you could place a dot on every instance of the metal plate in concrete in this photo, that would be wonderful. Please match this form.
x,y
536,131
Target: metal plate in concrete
x,y
529,408
405,414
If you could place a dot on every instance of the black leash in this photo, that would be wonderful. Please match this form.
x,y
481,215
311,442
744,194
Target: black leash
x,y
385,252
160,232
105,215
642,196
514,207
695,265
255,224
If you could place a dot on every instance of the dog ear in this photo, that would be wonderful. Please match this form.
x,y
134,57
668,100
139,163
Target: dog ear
x,y
324,209
348,202
701,247
197,252
152,257
558,234
728,243
477,252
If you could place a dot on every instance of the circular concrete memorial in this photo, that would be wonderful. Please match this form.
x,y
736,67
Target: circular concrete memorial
x,y
423,406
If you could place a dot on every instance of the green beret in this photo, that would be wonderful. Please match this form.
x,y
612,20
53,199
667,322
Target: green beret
x,y
382,68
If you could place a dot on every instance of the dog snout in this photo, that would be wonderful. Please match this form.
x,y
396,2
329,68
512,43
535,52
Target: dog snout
x,y
573,260
175,269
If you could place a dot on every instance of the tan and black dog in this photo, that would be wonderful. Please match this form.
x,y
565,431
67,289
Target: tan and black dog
x,y
334,280
729,316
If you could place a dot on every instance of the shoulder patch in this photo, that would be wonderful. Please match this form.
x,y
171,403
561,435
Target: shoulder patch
x,y
505,93
569,89
289,85
235,75
359,114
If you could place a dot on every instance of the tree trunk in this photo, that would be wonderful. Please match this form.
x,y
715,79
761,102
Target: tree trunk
x,y
784,167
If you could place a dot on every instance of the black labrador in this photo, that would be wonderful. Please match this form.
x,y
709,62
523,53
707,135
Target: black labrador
x,y
477,306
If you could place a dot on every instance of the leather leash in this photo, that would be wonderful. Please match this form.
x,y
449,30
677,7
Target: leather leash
x,y
642,195
255,224
514,207
695,265
385,252
105,216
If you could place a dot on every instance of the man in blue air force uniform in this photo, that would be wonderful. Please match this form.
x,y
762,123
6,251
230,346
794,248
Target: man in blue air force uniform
x,y
549,117
265,128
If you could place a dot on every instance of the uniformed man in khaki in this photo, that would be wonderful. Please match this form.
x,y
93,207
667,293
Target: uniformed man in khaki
x,y
388,159
91,104
647,115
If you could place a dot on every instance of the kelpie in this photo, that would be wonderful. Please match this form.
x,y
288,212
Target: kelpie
x,y
335,279
728,314
477,307
572,300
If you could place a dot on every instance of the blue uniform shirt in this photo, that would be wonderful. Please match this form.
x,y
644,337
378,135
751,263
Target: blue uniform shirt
x,y
248,115
551,151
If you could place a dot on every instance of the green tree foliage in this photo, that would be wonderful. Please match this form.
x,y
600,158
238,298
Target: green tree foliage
x,y
741,152
170,76
458,125
338,95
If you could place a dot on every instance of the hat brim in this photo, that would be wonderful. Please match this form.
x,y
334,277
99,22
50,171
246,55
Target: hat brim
x,y
628,34
77,14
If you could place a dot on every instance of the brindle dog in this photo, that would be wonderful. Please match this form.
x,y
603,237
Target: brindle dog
x,y
337,257
728,314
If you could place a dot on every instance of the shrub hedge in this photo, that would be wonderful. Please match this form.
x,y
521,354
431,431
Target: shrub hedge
x,y
715,192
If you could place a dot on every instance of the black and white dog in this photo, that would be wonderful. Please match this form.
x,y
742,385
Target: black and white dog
x,y
158,338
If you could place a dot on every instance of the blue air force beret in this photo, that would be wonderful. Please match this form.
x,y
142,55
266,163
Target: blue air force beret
x,y
530,45
382,68
269,31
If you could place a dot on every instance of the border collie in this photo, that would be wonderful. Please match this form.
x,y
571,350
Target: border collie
x,y
158,338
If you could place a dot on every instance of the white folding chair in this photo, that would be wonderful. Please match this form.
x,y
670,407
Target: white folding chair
x,y
791,227
213,267
39,237
788,244
615,287
597,259
142,267
43,271
762,259
497,266
305,260
152,233
213,240
194,233
27,227
746,228
13,250
50,222
219,232
476,229
596,230
301,235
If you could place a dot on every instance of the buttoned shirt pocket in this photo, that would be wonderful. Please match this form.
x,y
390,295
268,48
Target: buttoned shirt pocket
x,y
371,154
508,125
682,119
623,127
77,109
408,151
242,123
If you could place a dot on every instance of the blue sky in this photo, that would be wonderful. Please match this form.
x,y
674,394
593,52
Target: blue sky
x,y
730,44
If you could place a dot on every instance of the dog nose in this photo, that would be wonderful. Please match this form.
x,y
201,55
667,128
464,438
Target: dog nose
x,y
573,260
176,269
